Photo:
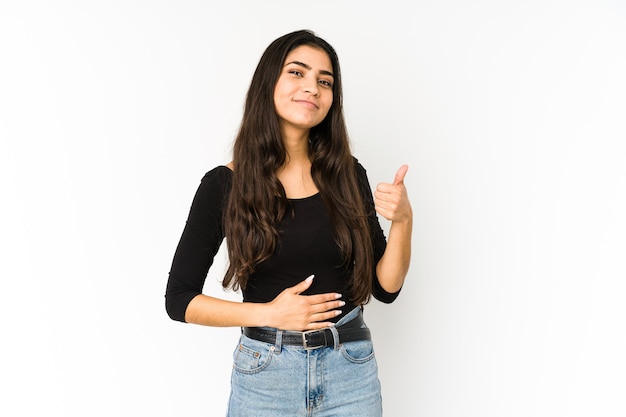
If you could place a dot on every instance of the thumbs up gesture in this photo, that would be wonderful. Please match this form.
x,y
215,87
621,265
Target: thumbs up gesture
x,y
391,200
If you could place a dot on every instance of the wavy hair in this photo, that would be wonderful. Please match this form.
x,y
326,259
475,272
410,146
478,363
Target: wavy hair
x,y
257,201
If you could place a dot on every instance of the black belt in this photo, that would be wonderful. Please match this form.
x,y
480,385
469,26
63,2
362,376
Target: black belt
x,y
313,339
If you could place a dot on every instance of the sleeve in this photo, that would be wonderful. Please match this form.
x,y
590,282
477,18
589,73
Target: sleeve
x,y
379,241
200,241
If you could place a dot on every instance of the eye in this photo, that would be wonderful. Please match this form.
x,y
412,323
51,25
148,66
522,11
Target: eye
x,y
326,83
295,72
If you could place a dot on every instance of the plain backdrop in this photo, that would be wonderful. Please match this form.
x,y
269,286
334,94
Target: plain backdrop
x,y
510,115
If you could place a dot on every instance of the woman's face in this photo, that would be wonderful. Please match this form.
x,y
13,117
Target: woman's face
x,y
304,91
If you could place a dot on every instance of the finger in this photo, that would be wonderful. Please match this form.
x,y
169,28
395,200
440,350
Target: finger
x,y
320,299
384,212
324,316
329,307
319,325
303,286
399,178
386,188
387,193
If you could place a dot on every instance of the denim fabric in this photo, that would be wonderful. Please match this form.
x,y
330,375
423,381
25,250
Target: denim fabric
x,y
274,380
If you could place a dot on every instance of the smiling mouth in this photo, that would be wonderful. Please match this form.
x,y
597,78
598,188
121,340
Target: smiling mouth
x,y
307,104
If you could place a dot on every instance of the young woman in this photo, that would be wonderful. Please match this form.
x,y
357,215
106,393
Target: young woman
x,y
304,244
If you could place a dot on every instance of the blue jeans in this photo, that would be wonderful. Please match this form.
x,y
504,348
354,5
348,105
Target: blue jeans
x,y
279,380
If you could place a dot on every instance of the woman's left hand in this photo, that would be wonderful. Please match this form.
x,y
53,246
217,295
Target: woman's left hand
x,y
391,200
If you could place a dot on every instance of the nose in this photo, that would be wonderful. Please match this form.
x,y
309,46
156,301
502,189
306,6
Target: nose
x,y
311,87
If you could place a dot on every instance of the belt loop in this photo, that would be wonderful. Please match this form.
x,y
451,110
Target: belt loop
x,y
279,340
335,333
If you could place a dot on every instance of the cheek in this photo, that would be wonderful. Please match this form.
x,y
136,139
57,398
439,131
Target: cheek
x,y
328,104
282,95
279,97
279,90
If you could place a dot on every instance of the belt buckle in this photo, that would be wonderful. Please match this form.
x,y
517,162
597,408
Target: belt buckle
x,y
305,342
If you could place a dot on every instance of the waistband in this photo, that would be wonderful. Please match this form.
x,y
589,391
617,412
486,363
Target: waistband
x,y
351,331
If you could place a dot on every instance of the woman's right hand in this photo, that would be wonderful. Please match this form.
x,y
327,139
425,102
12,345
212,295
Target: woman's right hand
x,y
291,310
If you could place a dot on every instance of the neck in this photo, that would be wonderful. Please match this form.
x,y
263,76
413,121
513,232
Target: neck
x,y
297,148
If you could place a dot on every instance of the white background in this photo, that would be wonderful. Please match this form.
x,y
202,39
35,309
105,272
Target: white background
x,y
510,114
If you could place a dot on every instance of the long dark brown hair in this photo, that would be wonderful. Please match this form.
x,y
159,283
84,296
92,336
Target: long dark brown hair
x,y
257,201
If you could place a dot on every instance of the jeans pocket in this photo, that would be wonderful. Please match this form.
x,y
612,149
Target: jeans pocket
x,y
358,352
252,356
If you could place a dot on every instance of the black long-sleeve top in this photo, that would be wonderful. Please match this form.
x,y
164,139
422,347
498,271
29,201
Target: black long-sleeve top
x,y
306,247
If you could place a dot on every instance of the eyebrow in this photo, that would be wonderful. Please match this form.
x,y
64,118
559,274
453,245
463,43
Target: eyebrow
x,y
302,64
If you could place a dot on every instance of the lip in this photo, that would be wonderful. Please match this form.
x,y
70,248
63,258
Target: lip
x,y
308,104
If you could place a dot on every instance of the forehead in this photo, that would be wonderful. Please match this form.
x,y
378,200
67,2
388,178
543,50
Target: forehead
x,y
312,56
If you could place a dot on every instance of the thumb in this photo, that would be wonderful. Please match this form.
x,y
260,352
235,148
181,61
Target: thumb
x,y
400,175
303,286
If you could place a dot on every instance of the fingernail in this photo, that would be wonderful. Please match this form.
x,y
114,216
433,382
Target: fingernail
x,y
341,304
337,312
310,278
338,295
